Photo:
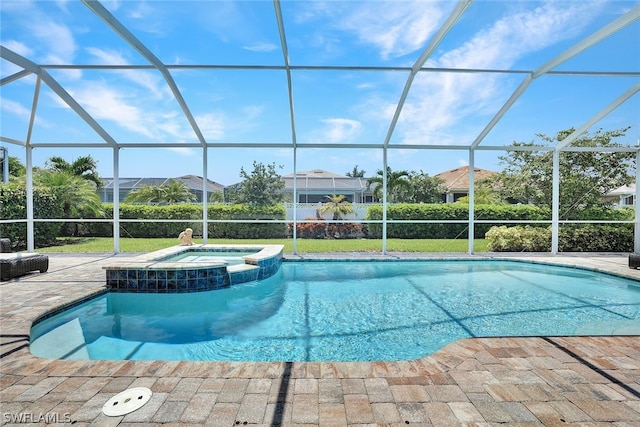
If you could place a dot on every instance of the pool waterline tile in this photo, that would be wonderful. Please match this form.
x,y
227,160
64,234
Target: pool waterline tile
x,y
166,275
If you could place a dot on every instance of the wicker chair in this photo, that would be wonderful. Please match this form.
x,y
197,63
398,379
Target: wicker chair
x,y
634,260
18,264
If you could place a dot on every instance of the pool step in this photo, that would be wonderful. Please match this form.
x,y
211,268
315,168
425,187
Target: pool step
x,y
240,273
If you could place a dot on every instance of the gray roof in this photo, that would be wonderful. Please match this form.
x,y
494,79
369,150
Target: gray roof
x,y
325,181
193,182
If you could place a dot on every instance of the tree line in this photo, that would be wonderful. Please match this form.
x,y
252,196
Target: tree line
x,y
585,178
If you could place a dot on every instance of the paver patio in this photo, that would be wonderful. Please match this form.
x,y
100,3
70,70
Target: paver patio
x,y
534,381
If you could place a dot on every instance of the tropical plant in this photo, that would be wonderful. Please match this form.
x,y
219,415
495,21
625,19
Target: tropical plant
x,y
84,166
483,195
424,188
16,168
356,173
398,184
176,192
169,193
216,197
262,187
145,194
338,205
585,176
77,195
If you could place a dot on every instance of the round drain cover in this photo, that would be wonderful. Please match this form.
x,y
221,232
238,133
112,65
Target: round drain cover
x,y
126,401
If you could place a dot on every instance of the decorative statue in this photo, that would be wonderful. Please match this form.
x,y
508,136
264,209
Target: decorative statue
x,y
186,237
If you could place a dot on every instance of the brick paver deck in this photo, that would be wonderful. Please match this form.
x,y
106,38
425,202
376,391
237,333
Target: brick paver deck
x,y
550,381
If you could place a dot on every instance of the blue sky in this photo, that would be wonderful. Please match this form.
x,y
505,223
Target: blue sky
x,y
136,106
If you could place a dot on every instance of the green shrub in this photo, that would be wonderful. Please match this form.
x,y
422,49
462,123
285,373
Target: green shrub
x,y
446,212
596,238
519,239
571,238
13,205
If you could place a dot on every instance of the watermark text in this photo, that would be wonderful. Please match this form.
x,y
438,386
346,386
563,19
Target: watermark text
x,y
32,417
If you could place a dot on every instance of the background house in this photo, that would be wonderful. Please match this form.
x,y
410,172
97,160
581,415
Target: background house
x,y
126,185
456,181
623,196
313,186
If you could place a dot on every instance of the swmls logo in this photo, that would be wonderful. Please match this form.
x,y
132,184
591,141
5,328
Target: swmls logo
x,y
29,417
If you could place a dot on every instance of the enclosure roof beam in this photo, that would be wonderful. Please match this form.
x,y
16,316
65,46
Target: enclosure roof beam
x,y
23,62
14,77
609,108
132,40
437,39
604,32
287,66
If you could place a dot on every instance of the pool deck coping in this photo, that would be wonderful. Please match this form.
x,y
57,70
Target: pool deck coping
x,y
591,380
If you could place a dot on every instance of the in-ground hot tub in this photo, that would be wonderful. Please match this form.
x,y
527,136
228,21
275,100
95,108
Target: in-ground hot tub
x,y
194,268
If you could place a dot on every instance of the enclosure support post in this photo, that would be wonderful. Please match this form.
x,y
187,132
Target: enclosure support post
x,y
295,200
116,200
472,195
30,228
636,204
555,202
205,196
384,200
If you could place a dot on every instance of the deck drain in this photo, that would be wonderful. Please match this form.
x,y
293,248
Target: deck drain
x,y
126,401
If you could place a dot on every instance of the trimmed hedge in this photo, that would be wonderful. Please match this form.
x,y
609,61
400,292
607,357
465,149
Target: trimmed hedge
x,y
13,205
443,212
247,230
571,238
596,238
192,214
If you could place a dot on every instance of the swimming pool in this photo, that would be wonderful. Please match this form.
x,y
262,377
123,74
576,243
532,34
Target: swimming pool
x,y
346,311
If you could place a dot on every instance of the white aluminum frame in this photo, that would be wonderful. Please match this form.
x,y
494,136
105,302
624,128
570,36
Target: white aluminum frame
x,y
40,70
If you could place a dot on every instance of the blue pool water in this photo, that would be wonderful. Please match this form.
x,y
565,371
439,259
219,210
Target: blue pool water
x,y
230,257
346,311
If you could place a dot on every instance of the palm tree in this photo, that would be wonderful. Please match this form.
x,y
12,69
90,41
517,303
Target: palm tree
x,y
146,194
77,195
338,205
84,166
397,183
166,194
356,173
177,192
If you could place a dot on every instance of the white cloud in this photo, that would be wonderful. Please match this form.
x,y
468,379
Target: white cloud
x,y
143,78
183,151
340,130
47,40
261,47
15,108
211,125
18,47
104,103
452,100
59,40
395,31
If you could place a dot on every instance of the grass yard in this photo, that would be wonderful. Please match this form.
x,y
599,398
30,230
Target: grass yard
x,y
105,245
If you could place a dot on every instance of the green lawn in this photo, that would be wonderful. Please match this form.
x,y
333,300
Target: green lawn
x,y
105,245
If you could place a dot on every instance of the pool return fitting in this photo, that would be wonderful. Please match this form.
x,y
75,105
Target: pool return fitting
x,y
126,401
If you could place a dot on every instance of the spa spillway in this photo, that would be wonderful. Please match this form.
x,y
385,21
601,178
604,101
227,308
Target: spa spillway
x,y
194,268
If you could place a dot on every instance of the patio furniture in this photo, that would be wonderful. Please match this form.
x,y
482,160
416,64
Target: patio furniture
x,y
18,264
634,260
